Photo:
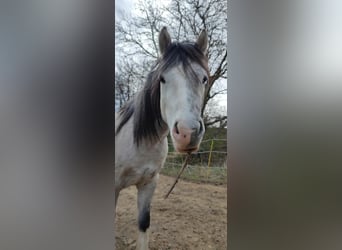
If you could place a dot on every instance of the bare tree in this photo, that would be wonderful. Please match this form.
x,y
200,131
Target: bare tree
x,y
185,19
123,91
126,83
215,115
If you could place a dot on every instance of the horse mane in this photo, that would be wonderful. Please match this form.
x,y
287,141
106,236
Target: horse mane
x,y
145,107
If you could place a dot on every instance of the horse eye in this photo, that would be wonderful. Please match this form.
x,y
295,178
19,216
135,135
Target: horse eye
x,y
205,80
162,79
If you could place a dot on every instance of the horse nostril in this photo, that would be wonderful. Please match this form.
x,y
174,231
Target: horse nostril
x,y
177,131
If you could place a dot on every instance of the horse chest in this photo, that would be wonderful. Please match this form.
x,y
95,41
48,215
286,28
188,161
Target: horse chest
x,y
137,174
141,168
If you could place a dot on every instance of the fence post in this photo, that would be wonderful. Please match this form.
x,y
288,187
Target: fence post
x,y
209,158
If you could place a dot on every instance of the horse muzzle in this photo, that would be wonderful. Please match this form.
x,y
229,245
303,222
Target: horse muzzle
x,y
186,139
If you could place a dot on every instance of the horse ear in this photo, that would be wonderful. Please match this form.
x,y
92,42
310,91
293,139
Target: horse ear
x,y
202,41
164,40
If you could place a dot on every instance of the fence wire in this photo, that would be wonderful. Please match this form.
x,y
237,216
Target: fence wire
x,y
208,165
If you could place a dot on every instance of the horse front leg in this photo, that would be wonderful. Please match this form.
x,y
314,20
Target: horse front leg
x,y
145,193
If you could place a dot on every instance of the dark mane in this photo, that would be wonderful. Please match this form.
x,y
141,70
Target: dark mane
x,y
145,107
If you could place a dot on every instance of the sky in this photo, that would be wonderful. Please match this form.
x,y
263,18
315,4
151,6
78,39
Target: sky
x,y
123,5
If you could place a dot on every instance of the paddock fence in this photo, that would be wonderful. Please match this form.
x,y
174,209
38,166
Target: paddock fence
x,y
208,165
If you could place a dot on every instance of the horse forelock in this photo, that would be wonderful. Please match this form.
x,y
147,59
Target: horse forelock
x,y
183,54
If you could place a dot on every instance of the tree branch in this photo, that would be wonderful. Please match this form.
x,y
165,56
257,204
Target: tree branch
x,y
215,120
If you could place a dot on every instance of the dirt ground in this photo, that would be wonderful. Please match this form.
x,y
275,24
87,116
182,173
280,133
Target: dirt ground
x,y
193,217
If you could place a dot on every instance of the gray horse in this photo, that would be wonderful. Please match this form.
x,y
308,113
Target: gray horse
x,y
170,101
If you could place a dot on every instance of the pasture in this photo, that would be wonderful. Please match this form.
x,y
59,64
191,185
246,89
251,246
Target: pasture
x,y
193,217
195,214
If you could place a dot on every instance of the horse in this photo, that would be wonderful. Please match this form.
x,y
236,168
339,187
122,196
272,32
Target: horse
x,y
170,101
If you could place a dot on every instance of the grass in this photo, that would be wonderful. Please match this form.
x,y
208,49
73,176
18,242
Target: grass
x,y
216,175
